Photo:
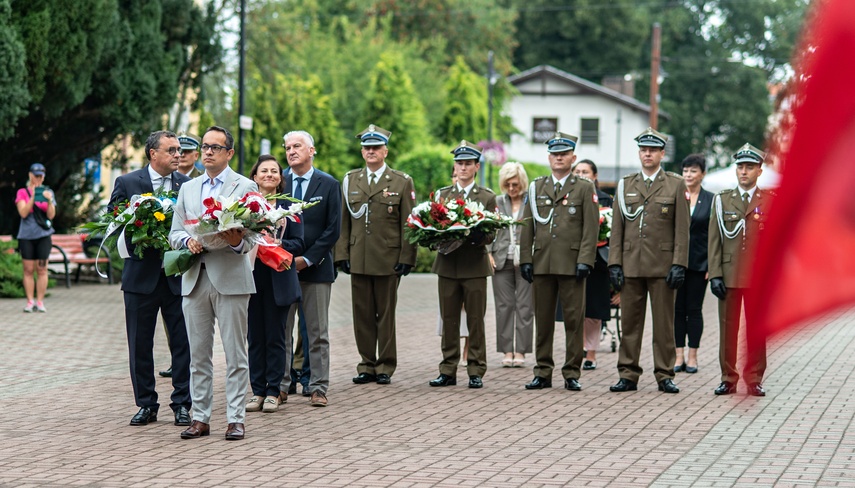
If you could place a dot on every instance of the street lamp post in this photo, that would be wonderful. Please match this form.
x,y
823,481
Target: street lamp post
x,y
241,84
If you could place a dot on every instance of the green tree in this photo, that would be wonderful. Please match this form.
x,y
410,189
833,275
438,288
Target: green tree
x,y
589,38
96,69
13,92
465,111
290,102
391,102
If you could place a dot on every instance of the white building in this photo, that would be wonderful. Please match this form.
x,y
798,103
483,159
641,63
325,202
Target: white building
x,y
605,120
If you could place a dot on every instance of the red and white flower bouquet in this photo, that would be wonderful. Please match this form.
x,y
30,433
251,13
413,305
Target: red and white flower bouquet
x,y
444,225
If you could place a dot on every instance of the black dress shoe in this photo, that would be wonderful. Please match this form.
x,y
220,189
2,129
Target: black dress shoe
x,y
292,388
681,367
182,416
443,380
144,416
167,373
690,369
725,388
756,389
306,392
668,386
475,382
383,379
572,384
364,378
538,383
624,385
589,365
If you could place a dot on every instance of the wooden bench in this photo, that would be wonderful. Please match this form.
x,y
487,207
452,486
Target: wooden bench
x,y
68,249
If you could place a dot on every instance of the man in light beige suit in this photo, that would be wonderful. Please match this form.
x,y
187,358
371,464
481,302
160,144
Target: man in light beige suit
x,y
217,288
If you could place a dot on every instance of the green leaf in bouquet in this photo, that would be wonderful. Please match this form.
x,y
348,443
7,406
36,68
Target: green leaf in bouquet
x,y
178,262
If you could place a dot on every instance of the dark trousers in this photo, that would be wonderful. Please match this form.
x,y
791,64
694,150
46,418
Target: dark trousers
x,y
547,290
471,294
300,369
374,302
729,312
141,311
633,311
688,310
266,336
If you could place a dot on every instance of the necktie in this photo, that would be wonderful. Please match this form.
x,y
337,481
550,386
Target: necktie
x,y
557,188
648,182
745,198
298,187
372,180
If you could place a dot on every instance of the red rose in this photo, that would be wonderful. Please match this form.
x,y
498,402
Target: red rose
x,y
115,212
208,202
254,206
138,223
467,212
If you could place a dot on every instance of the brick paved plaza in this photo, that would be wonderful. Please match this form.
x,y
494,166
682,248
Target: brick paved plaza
x,y
66,399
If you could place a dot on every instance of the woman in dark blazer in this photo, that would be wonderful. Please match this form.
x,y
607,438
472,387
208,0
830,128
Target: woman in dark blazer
x,y
688,310
268,307
598,299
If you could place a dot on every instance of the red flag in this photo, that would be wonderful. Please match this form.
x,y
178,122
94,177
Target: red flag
x,y
805,259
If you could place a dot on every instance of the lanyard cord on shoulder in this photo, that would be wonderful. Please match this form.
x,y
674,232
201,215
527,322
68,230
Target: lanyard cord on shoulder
x,y
730,234
362,210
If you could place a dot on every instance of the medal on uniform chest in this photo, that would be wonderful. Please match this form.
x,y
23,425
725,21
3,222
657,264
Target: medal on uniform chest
x,y
756,216
572,209
664,210
549,202
564,202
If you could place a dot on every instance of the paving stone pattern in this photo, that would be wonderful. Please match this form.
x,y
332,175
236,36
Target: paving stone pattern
x,y
65,403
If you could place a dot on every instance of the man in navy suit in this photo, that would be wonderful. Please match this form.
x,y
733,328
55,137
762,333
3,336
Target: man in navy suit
x,y
321,228
148,290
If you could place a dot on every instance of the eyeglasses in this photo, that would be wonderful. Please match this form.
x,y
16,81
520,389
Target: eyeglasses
x,y
172,151
215,148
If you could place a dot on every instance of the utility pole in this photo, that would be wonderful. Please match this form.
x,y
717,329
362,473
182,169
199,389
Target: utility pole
x,y
241,84
654,75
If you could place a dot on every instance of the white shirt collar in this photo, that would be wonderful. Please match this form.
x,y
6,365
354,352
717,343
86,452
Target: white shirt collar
x,y
467,189
653,176
377,173
562,180
155,176
750,192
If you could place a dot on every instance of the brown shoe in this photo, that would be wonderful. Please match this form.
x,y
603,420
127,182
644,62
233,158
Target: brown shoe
x,y
319,399
283,397
196,430
234,432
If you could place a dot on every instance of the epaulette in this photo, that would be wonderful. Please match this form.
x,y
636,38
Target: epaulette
x,y
541,177
445,188
724,192
674,175
631,176
354,171
579,177
399,173
487,190
766,190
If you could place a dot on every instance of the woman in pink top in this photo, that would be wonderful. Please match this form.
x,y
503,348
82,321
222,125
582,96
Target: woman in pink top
x,y
34,239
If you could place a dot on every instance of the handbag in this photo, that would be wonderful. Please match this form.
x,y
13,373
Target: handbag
x,y
40,216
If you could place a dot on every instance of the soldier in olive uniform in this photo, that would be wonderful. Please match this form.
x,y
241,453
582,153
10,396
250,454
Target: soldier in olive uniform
x,y
737,217
463,277
557,251
373,250
649,254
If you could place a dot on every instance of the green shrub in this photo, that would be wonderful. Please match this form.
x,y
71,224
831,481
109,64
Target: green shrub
x,y
424,260
12,272
429,167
